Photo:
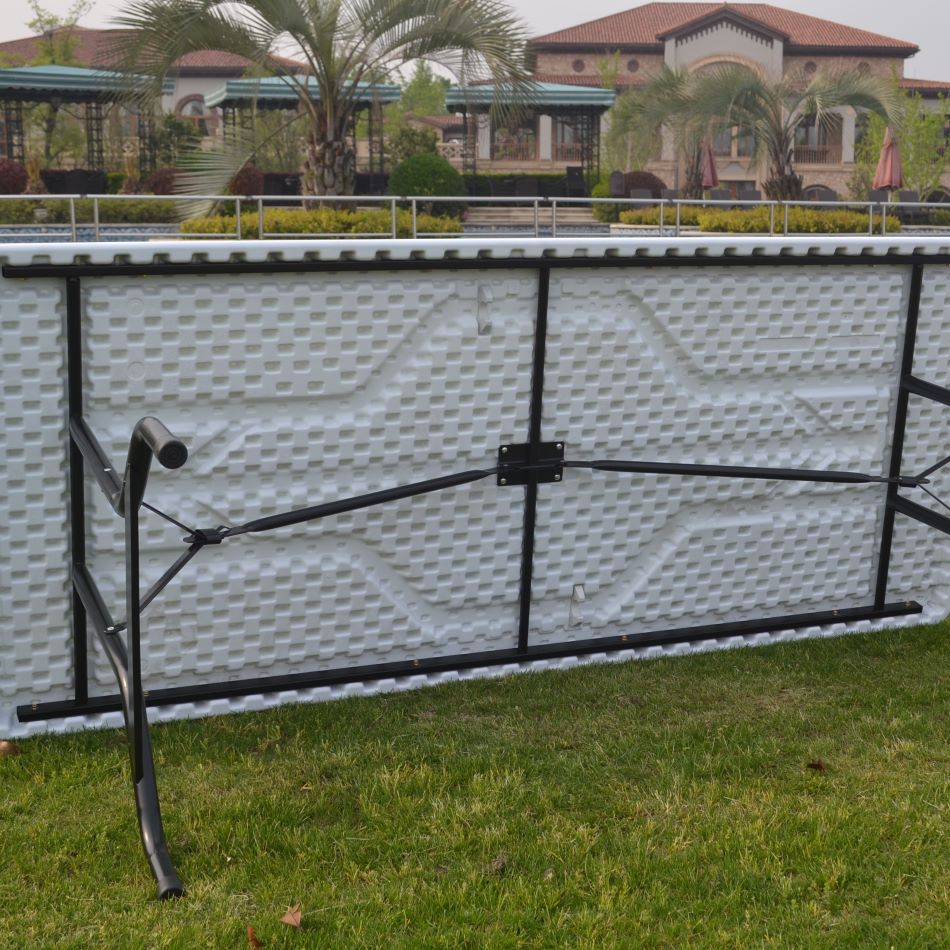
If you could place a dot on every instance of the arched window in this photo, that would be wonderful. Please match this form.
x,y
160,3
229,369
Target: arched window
x,y
194,109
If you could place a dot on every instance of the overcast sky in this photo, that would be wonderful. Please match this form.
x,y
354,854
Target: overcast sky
x,y
923,22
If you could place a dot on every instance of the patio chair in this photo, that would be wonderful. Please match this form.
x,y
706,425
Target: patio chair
x,y
820,193
574,182
642,193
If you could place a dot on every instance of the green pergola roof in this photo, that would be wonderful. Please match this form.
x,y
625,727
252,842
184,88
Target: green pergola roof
x,y
539,95
67,83
279,92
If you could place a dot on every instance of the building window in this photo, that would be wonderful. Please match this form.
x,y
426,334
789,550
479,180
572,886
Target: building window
x,y
818,143
516,142
566,144
194,109
578,65
733,143
633,65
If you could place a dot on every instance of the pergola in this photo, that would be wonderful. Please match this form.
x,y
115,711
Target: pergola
x,y
94,89
237,99
581,106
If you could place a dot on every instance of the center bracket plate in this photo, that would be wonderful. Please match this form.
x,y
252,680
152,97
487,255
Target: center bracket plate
x,y
516,466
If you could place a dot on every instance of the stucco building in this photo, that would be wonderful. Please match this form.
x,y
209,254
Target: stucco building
x,y
627,48
193,77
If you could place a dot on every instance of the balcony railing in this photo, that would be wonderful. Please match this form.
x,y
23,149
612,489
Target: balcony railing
x,y
515,151
568,152
818,154
452,151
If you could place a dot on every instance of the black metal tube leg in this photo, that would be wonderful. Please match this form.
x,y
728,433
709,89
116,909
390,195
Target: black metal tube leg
x,y
900,425
77,497
136,718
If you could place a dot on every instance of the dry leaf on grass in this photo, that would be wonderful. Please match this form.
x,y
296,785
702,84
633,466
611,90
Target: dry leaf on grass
x,y
8,748
252,938
293,916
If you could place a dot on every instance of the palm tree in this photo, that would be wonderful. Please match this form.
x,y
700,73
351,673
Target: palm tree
x,y
640,116
343,43
770,111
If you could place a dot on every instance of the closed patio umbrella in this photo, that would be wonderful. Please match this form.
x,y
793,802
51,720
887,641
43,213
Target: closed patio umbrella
x,y
710,175
888,173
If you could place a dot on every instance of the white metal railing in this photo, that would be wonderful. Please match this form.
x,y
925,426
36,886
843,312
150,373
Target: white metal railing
x,y
541,214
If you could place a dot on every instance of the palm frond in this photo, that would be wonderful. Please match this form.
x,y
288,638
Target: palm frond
x,y
210,172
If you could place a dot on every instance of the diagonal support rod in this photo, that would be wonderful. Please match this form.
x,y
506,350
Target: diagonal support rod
x,y
747,471
299,515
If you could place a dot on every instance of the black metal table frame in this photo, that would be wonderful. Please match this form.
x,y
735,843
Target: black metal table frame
x,y
531,464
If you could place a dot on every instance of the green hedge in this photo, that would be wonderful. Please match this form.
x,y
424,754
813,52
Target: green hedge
x,y
322,221
111,211
689,215
800,221
756,220
480,184
605,213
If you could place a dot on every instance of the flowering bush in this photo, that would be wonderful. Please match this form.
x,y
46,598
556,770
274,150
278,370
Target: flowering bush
x,y
12,177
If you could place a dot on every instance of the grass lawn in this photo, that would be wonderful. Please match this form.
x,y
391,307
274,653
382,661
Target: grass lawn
x,y
661,803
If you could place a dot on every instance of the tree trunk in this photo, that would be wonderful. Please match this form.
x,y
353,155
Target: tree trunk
x,y
693,171
329,168
49,129
783,183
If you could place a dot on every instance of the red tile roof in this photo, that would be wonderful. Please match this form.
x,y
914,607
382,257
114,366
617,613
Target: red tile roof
x,y
438,121
96,49
908,83
643,26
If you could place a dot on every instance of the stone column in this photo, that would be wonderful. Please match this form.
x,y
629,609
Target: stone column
x,y
545,138
847,136
484,137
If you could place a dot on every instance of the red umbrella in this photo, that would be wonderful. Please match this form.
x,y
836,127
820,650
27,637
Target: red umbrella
x,y
710,175
888,173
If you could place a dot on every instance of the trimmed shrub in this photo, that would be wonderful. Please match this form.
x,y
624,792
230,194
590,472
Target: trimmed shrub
x,y
322,221
110,211
608,214
428,175
17,212
800,221
12,177
160,182
408,141
643,180
248,181
689,215
485,184
81,181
